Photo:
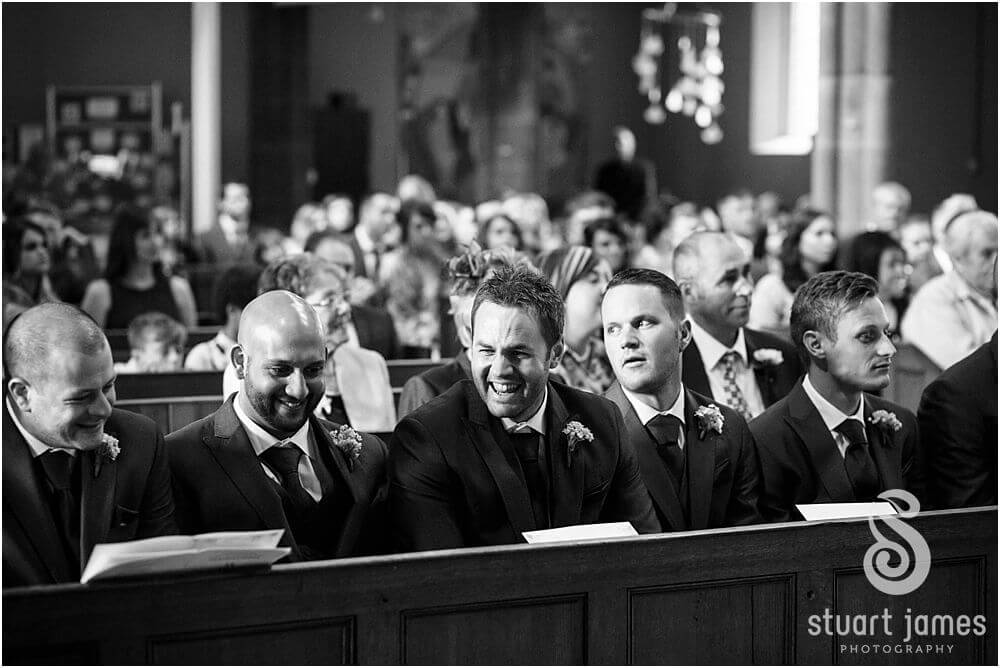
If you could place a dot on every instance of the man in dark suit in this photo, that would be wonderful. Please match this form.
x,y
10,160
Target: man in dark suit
x,y
510,451
227,241
829,441
958,427
76,472
698,460
264,461
746,369
376,215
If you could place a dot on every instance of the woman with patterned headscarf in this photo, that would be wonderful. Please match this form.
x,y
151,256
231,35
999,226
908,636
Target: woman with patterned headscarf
x,y
581,277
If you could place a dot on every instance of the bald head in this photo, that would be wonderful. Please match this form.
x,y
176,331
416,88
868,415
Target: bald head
x,y
713,272
971,242
278,313
40,331
697,251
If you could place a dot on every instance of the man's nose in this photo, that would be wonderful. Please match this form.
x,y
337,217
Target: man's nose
x,y
101,407
744,286
886,347
296,386
628,338
500,366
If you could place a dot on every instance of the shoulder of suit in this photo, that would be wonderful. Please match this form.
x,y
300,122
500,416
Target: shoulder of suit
x,y
771,419
442,377
447,406
769,340
122,420
586,401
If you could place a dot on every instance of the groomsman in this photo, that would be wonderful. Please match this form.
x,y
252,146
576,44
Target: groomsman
x,y
830,440
744,368
76,471
697,457
509,450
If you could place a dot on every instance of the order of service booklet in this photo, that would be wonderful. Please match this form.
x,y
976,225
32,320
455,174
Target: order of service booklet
x,y
168,554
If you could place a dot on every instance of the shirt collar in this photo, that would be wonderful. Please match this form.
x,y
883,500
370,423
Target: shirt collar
x,y
712,350
37,447
647,412
536,421
260,440
832,416
963,291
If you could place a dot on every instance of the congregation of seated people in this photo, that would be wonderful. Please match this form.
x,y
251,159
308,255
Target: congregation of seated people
x,y
677,366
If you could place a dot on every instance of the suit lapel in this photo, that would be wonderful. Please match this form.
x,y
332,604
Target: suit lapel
x,y
654,471
807,424
885,449
353,479
566,496
231,448
693,371
489,439
700,463
25,500
97,500
764,375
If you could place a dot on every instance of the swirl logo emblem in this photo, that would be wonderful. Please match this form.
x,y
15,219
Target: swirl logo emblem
x,y
909,573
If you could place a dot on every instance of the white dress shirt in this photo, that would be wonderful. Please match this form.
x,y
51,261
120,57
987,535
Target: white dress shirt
x,y
210,355
536,421
260,441
832,416
647,412
712,352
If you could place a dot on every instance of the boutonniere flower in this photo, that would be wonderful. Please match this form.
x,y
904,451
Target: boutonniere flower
x,y
886,420
765,357
709,419
347,441
108,450
577,434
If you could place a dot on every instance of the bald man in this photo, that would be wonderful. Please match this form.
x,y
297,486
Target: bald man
x,y
76,471
746,369
956,312
265,461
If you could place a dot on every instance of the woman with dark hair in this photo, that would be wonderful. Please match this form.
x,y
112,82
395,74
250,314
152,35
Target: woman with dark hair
x,y
607,238
26,261
809,248
498,231
581,277
134,282
880,256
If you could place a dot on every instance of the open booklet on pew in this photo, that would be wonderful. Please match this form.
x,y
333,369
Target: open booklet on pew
x,y
171,554
581,532
817,512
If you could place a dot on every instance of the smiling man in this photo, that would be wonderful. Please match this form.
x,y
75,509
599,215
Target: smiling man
x,y
264,461
76,472
830,440
510,450
743,368
699,476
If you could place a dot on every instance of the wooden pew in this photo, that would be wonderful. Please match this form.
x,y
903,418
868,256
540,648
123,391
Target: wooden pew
x,y
735,596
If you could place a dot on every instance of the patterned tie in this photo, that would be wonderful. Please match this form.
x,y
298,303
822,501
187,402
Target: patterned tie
x,y
734,396
858,461
58,466
525,442
665,430
284,461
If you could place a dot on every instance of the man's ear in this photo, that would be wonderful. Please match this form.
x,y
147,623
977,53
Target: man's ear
x,y
689,291
19,388
239,361
684,334
812,341
556,353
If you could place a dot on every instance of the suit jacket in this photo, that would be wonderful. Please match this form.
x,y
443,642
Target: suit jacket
x,y
421,388
774,382
219,484
455,480
128,500
958,427
800,461
376,331
212,247
723,470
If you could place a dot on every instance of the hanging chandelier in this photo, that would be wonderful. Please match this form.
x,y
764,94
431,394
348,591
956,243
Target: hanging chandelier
x,y
697,90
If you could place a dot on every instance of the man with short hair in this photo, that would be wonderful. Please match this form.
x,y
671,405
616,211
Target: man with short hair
x,y
227,241
76,471
956,312
700,474
376,215
738,215
746,369
890,206
264,461
829,440
508,451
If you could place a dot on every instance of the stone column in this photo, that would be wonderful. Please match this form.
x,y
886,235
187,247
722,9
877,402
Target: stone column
x,y
206,114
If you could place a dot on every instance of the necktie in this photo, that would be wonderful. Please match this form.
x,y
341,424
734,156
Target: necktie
x,y
525,442
666,430
58,467
284,461
858,461
734,396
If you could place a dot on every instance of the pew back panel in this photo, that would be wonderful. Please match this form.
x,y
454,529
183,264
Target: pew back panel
x,y
730,596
